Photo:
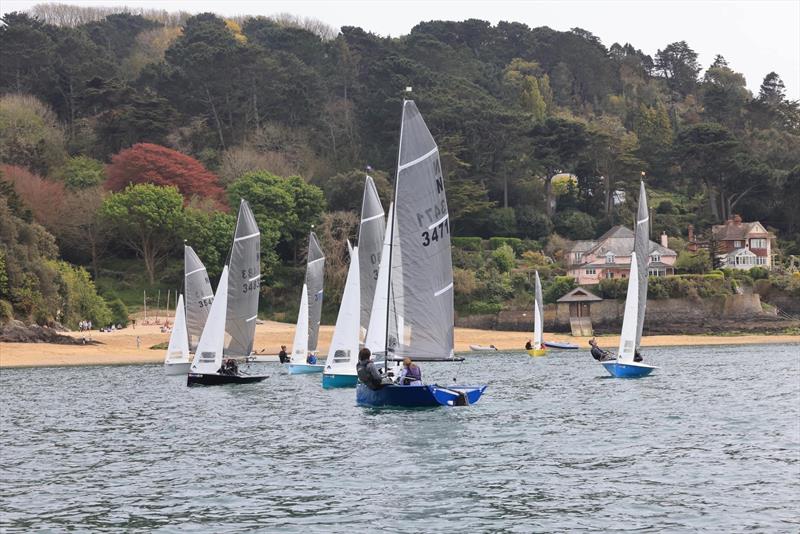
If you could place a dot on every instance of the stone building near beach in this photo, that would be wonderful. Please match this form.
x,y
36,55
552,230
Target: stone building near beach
x,y
609,256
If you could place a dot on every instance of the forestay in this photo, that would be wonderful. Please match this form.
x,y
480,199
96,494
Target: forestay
x,y
208,358
370,244
343,352
421,272
244,280
300,344
375,340
538,316
315,273
199,295
178,349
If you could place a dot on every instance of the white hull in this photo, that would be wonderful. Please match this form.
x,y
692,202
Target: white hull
x,y
178,368
264,358
481,348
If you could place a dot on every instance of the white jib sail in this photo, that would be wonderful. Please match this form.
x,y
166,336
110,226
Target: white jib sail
x,y
178,350
538,316
300,345
630,321
343,352
376,332
208,357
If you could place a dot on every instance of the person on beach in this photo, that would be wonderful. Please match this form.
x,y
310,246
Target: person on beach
x,y
367,372
599,354
411,374
138,342
282,356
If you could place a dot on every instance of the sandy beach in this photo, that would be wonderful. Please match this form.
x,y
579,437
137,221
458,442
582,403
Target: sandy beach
x,y
119,347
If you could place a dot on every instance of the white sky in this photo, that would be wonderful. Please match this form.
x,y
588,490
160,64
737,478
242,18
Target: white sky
x,y
756,37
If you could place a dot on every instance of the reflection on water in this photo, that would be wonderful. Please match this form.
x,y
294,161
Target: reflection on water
x,y
710,441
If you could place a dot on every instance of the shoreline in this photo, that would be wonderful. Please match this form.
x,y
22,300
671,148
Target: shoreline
x,y
119,347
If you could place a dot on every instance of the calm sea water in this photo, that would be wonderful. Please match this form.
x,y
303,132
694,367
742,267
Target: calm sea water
x,y
710,442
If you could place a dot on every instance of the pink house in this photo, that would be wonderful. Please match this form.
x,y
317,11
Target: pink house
x,y
610,257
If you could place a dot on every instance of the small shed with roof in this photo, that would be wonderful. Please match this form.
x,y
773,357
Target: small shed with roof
x,y
577,303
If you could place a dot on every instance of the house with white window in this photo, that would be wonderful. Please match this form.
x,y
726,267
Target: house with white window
x,y
743,245
609,256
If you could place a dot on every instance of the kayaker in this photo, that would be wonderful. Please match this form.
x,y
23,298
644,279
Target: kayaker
x,y
367,372
599,354
411,374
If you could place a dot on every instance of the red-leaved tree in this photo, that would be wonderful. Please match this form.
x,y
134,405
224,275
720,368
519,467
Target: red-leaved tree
x,y
45,198
155,164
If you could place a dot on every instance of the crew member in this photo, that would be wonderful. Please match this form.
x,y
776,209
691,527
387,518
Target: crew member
x,y
367,372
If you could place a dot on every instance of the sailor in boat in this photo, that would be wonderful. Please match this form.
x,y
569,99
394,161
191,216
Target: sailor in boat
x,y
599,354
282,356
411,375
636,356
229,367
311,359
528,345
367,372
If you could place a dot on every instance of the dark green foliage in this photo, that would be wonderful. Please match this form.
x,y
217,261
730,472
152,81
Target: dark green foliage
x,y
576,225
693,262
558,287
467,243
514,242
119,312
758,273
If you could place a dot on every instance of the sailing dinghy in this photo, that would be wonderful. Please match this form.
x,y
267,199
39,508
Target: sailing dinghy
x,y
419,318
231,324
177,359
538,321
304,348
635,302
340,367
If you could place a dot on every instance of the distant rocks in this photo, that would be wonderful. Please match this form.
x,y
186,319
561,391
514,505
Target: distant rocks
x,y
18,332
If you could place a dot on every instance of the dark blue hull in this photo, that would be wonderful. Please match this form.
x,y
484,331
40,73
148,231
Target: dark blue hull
x,y
418,396
195,379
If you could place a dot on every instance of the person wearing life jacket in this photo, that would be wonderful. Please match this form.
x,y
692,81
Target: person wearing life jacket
x,y
411,374
311,359
599,354
367,372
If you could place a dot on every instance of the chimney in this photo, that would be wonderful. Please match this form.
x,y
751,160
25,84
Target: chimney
x,y
691,233
664,240
737,219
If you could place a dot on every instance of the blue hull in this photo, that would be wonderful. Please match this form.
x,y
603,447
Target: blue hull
x,y
624,370
418,396
305,368
339,381
560,345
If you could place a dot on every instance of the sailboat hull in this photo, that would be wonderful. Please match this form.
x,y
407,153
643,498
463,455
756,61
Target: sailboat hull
x,y
305,368
197,379
177,368
628,370
339,381
418,396
536,352
560,345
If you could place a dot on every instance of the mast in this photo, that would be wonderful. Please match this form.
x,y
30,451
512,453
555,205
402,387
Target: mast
x,y
391,241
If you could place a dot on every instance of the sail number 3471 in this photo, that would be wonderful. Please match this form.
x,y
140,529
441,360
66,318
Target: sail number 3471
x,y
437,232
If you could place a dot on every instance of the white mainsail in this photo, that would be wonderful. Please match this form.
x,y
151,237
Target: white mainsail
x,y
343,352
300,345
627,339
208,358
375,340
199,295
538,316
178,349
421,317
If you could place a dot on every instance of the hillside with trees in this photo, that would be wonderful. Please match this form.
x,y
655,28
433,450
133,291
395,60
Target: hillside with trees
x,y
123,134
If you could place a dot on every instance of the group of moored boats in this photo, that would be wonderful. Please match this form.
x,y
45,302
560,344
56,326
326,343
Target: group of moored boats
x,y
397,300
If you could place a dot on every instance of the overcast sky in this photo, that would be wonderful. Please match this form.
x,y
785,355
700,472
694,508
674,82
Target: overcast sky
x,y
756,37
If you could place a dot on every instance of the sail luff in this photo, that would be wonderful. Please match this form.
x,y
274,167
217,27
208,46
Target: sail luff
x,y
538,316
630,321
300,343
343,352
370,245
199,295
210,348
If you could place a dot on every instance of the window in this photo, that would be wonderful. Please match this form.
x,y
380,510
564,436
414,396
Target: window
x,y
761,260
737,244
623,275
609,275
590,270
657,272
609,257
655,257
577,257
758,243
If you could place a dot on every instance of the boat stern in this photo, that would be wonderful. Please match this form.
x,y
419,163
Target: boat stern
x,y
339,381
628,370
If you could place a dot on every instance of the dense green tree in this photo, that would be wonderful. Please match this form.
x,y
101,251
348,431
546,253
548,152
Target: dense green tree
x,y
677,63
81,172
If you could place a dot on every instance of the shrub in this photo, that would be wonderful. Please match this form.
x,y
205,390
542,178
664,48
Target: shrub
x,y
758,273
504,258
613,288
6,311
693,262
559,287
119,312
532,223
464,281
480,307
576,225
501,221
513,242
467,243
